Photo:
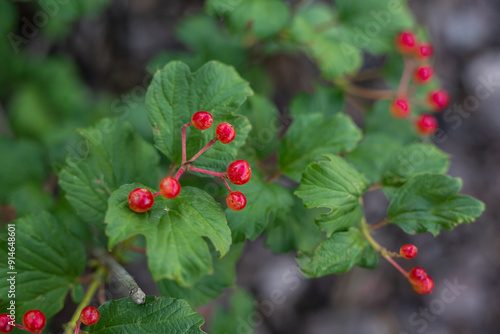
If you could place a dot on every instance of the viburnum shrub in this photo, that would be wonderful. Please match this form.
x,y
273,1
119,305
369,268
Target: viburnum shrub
x,y
122,190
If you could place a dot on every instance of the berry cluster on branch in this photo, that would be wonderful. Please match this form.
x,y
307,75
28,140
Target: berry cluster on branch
x,y
238,172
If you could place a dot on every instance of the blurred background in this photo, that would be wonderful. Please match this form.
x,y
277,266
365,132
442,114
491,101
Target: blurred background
x,y
97,61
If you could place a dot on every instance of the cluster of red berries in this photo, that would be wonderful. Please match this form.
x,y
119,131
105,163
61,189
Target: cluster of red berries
x,y
437,100
422,283
34,320
238,172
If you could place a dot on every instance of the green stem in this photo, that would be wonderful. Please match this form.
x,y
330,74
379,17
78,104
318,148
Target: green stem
x,y
94,285
368,237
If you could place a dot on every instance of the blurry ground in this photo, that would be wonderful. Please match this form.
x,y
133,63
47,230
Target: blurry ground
x,y
465,264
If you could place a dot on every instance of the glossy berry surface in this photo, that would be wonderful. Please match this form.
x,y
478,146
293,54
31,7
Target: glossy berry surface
x,y
438,99
239,172
425,51
408,251
236,201
225,133
34,321
422,283
202,120
140,200
400,108
5,326
170,187
423,74
89,316
426,124
406,42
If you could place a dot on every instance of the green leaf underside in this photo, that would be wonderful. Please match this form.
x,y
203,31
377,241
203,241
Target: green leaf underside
x,y
173,230
333,184
328,100
370,258
156,315
264,202
263,138
295,230
234,320
373,24
116,156
175,94
313,134
48,260
335,255
430,203
264,18
210,286
412,160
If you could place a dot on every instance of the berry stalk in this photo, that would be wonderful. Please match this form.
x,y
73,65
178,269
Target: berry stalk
x,y
210,143
398,267
22,327
91,291
205,171
227,185
406,77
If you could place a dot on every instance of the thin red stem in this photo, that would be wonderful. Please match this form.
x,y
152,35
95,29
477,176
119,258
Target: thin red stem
x,y
391,261
156,194
405,78
367,93
227,185
137,249
183,129
204,171
179,173
210,143
77,328
22,327
377,225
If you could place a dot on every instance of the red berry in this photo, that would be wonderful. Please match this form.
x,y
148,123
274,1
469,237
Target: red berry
x,y
400,108
140,200
424,51
423,74
406,42
236,201
34,321
408,251
225,133
426,124
422,283
239,172
89,316
170,187
5,326
202,120
438,99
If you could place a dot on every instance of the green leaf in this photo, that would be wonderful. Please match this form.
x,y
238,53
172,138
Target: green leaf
x,y
333,184
175,95
264,202
430,203
373,24
265,18
335,255
23,162
314,134
235,319
370,258
325,99
372,153
295,230
173,230
412,160
315,28
48,260
116,156
208,287
263,138
156,315
380,120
